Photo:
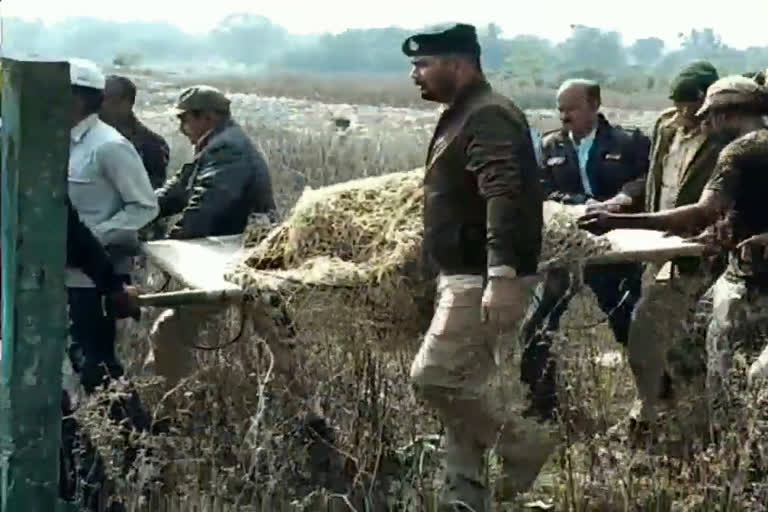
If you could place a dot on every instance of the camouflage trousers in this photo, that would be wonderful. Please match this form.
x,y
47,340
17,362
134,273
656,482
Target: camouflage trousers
x,y
456,372
178,333
174,335
666,339
738,328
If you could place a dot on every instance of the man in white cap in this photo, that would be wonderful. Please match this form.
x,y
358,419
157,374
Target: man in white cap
x,y
110,190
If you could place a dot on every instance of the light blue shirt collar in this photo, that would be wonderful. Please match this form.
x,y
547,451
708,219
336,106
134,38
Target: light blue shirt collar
x,y
582,152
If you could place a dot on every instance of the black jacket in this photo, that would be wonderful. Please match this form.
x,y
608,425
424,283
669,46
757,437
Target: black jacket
x,y
617,158
215,193
84,251
152,148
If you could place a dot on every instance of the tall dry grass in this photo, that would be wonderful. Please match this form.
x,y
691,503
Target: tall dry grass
x,y
397,90
240,440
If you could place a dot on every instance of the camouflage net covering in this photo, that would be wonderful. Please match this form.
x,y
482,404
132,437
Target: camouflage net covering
x,y
355,248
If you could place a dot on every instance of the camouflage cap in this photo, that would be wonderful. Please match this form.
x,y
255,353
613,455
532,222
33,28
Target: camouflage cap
x,y
733,90
202,97
692,82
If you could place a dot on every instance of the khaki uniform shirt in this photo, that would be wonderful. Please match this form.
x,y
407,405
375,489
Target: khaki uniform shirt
x,y
681,152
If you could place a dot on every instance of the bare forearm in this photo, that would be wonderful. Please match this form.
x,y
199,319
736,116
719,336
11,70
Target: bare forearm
x,y
680,221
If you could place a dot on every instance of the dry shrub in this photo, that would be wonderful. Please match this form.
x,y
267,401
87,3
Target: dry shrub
x,y
397,90
239,441
353,246
356,247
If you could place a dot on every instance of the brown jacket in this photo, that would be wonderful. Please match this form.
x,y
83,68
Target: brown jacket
x,y
482,200
617,158
696,173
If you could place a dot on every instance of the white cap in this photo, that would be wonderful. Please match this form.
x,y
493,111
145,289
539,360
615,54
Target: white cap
x,y
86,74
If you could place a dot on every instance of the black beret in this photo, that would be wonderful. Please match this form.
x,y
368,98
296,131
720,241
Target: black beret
x,y
692,82
461,38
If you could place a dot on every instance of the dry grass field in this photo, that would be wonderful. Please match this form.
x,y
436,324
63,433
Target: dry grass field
x,y
240,441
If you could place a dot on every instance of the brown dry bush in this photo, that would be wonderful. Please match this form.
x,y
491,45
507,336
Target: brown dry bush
x,y
397,89
239,440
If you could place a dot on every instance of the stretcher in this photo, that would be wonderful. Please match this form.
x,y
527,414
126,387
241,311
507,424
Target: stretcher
x,y
200,264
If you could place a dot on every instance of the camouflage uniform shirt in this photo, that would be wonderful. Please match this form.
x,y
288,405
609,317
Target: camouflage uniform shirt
x,y
740,295
741,181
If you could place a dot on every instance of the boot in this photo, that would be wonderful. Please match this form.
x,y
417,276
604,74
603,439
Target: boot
x,y
522,463
461,494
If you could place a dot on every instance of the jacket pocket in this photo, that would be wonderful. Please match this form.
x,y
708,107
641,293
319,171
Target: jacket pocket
x,y
84,194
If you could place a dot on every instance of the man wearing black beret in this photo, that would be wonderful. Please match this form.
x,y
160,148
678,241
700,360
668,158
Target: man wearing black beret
x,y
482,234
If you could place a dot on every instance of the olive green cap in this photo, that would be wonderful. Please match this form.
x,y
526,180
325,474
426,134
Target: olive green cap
x,y
692,82
202,97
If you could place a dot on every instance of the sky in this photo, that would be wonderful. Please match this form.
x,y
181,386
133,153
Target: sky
x,y
742,24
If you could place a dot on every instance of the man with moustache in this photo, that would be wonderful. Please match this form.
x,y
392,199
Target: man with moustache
x,y
732,213
227,180
482,234
661,348
586,161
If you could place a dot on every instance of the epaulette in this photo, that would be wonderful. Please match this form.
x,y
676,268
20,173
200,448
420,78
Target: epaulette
x,y
632,130
667,116
549,134
668,113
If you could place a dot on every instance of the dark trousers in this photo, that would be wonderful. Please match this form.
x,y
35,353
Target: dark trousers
x,y
617,288
93,331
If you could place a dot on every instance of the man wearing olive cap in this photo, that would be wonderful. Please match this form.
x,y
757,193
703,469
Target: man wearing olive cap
x,y
661,345
482,234
677,131
214,195
732,213
228,178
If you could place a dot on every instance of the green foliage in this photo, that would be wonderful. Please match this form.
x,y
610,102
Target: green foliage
x,y
351,51
248,38
593,48
529,58
647,51
256,43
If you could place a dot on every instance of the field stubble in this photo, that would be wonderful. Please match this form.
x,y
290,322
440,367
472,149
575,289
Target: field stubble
x,y
239,441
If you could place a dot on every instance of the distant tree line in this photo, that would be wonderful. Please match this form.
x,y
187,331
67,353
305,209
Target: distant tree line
x,y
252,42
